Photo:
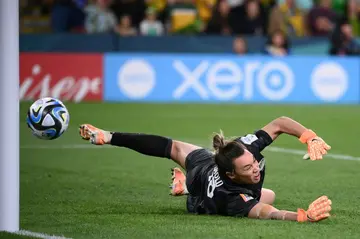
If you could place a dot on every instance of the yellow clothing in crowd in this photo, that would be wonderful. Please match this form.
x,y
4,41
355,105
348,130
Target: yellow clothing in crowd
x,y
205,8
291,21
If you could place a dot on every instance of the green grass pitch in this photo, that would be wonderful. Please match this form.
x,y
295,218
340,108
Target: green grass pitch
x,y
105,192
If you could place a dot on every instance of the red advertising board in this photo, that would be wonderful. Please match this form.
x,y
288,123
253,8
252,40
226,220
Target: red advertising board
x,y
68,77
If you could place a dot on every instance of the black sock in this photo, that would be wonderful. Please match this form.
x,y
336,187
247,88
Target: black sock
x,y
152,145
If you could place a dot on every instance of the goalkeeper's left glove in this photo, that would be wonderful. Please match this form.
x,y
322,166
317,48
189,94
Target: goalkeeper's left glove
x,y
316,145
317,211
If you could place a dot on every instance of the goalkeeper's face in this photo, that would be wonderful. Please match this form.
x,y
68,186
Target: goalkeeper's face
x,y
246,169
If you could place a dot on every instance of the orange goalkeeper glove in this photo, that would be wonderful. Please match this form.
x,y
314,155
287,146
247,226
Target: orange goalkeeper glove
x,y
316,145
317,211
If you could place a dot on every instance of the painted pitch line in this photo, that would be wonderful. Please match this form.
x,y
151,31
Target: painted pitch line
x,y
66,146
301,152
270,149
38,235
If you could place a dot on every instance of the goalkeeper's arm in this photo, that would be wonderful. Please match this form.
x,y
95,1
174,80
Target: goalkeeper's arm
x,y
317,147
266,211
317,211
284,125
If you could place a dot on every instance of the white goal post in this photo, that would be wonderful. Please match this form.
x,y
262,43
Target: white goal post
x,y
9,115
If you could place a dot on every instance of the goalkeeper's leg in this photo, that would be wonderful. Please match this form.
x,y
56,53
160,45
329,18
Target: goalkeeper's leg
x,y
151,145
178,183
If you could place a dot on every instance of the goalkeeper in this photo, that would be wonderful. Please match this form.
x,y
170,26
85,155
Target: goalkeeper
x,y
228,181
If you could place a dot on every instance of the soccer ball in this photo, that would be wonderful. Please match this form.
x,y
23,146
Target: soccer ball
x,y
48,118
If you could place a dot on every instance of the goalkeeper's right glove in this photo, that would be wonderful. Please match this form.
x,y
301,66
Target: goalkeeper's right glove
x,y
317,211
317,147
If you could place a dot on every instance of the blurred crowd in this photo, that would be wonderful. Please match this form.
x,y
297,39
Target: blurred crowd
x,y
276,19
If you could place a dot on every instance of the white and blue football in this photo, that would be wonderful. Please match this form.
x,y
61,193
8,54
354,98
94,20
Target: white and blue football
x,y
48,118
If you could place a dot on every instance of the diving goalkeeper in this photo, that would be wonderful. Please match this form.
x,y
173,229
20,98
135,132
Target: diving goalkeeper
x,y
228,181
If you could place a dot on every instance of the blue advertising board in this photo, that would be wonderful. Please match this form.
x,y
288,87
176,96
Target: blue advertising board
x,y
228,78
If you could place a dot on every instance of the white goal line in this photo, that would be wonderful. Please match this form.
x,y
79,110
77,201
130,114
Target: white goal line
x,y
38,235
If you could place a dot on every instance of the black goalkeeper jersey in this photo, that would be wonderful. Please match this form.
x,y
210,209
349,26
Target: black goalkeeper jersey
x,y
211,193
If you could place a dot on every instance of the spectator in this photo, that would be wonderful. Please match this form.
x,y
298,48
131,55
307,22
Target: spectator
x,y
219,22
67,17
235,3
205,8
159,6
183,17
269,3
288,18
304,5
322,19
79,3
35,16
150,26
134,8
339,6
99,18
252,21
343,41
125,27
267,6
352,13
277,44
240,46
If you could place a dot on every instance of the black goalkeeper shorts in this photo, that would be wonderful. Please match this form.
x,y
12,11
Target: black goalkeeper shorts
x,y
197,164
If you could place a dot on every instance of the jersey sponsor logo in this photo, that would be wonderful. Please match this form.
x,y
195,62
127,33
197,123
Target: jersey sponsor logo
x,y
249,139
246,197
214,182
